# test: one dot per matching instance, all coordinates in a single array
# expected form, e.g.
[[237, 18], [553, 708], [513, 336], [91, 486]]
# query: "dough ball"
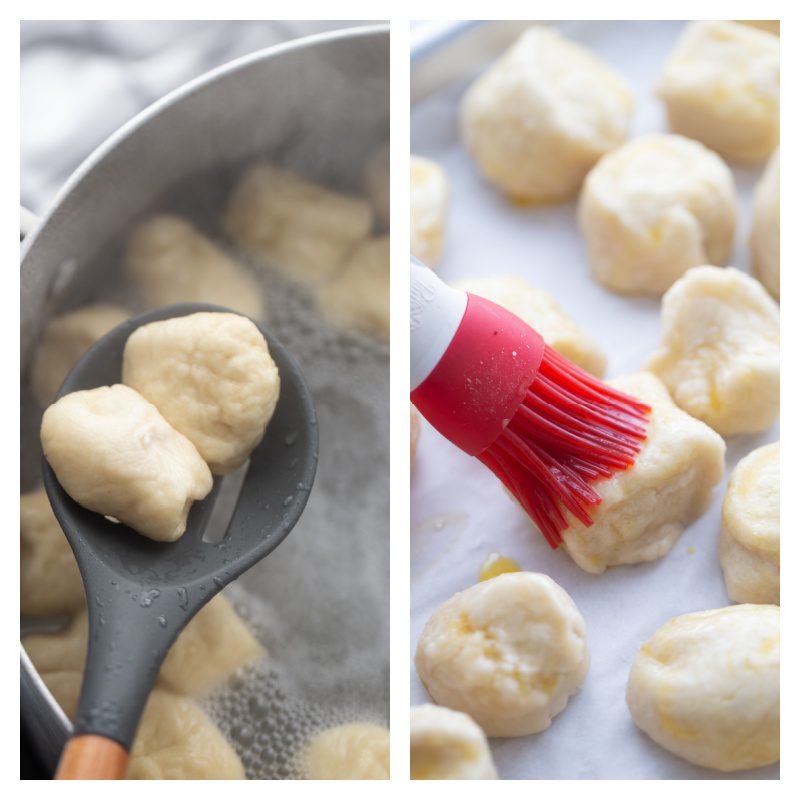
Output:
[[508, 651], [539, 118], [49, 579], [211, 375], [174, 263], [719, 353], [653, 209], [646, 508], [177, 741], [376, 183], [415, 430], [721, 86], [448, 745], [706, 687], [357, 296], [750, 541], [357, 751], [64, 341], [113, 453], [765, 235], [210, 648], [294, 225], [538, 309], [430, 196], [497, 564]]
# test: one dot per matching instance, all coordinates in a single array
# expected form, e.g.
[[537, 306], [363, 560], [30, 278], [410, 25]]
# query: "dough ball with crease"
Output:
[[509, 651], [719, 353], [212, 377], [721, 86], [49, 579], [706, 687], [356, 751], [375, 182], [765, 233], [65, 339], [647, 507], [357, 295], [174, 263], [299, 227], [750, 540], [653, 209], [448, 745], [429, 201], [539, 118], [114, 453], [539, 310]]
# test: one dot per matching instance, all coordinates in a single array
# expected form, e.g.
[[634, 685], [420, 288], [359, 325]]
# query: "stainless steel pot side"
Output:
[[319, 105]]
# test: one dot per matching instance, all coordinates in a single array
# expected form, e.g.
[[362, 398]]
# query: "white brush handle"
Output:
[[436, 313]]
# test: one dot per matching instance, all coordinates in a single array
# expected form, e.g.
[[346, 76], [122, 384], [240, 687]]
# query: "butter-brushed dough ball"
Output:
[[706, 687], [448, 745], [356, 751], [211, 376], [719, 353], [114, 453], [177, 741], [646, 508], [539, 118], [429, 200], [174, 263], [750, 540], [64, 341], [376, 185], [538, 309], [49, 579], [765, 234], [357, 296], [721, 86], [296, 226], [654, 208], [509, 652]]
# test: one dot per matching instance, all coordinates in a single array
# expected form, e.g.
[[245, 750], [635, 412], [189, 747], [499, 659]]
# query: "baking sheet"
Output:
[[459, 511]]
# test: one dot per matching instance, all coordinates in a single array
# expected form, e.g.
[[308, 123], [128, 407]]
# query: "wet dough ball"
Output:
[[376, 183], [653, 209], [294, 225], [415, 430], [49, 579], [177, 741], [537, 308], [541, 116], [430, 196], [706, 687], [115, 454], [210, 648], [212, 377], [721, 86], [64, 341], [357, 296], [174, 263], [750, 541], [719, 353], [357, 751], [447, 745], [646, 508], [509, 652], [765, 235]]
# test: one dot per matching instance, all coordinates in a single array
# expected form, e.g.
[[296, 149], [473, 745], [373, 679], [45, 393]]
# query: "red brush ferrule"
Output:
[[482, 378]]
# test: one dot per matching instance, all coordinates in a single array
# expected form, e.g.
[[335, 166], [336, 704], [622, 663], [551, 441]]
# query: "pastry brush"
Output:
[[490, 385]]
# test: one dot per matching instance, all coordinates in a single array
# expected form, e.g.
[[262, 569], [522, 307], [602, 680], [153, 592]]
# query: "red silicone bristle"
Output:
[[571, 430]]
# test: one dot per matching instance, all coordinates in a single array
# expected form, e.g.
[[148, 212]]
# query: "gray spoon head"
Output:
[[141, 593]]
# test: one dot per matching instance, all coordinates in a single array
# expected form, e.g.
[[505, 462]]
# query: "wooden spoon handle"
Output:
[[92, 758]]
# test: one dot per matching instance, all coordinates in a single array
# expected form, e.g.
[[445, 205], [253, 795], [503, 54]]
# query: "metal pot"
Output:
[[319, 105]]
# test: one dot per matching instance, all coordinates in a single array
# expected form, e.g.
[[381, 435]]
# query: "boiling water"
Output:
[[320, 602]]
